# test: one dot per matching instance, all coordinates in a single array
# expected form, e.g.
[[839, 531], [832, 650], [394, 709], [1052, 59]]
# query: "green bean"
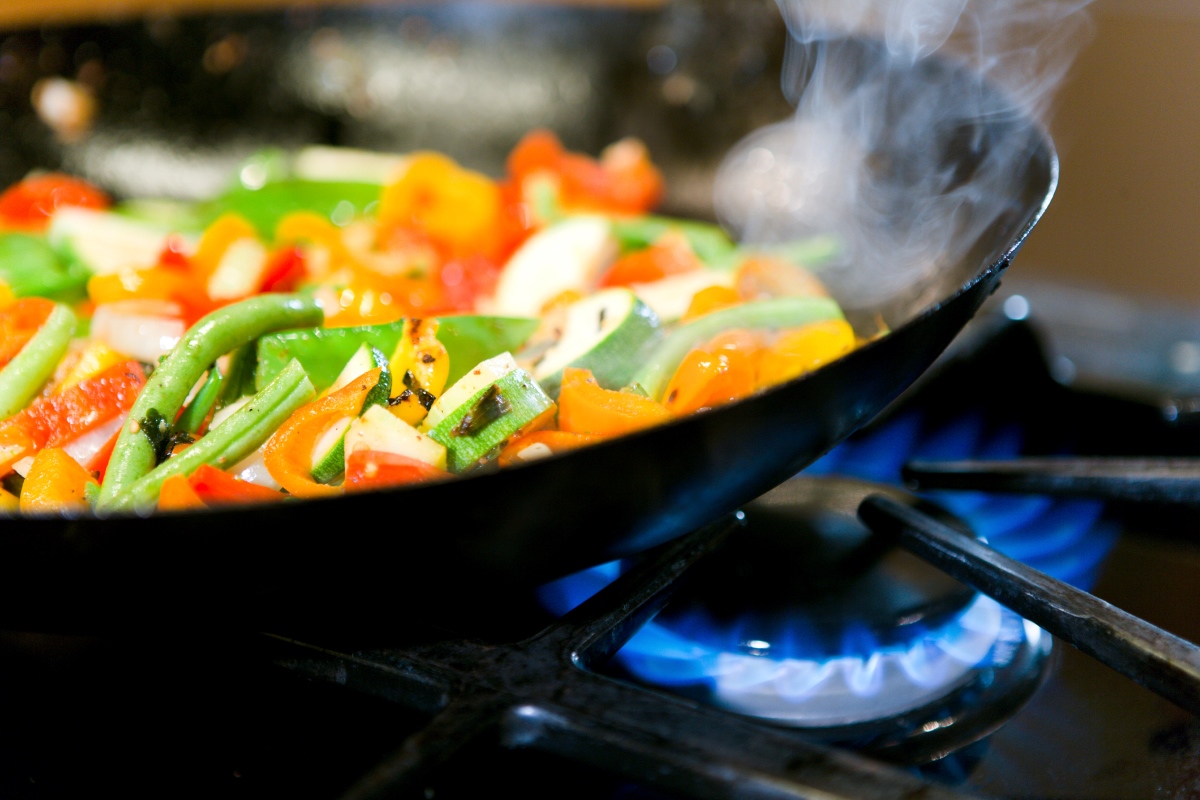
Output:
[[24, 375], [231, 441], [215, 335], [193, 416]]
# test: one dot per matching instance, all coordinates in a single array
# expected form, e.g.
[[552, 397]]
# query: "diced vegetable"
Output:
[[24, 375], [329, 452], [226, 445], [29, 265], [422, 365], [369, 469], [584, 407], [105, 242], [610, 333], [379, 431], [218, 333], [324, 351], [56, 484], [777, 314], [475, 381], [177, 494], [568, 256], [476, 429]]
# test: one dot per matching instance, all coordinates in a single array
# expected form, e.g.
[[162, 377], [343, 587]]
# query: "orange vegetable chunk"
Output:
[[804, 350], [55, 483], [584, 407], [178, 495]]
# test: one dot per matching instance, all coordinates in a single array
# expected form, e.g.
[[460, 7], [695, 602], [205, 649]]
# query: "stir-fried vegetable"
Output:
[[342, 321]]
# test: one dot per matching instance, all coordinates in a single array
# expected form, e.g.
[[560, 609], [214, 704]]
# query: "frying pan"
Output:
[[366, 561]]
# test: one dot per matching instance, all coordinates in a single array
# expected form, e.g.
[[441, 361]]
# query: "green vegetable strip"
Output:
[[781, 312], [24, 375], [233, 440], [193, 416], [213, 336], [239, 379]]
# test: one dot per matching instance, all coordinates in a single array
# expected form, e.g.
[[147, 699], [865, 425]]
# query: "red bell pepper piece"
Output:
[[28, 205], [372, 469], [215, 487], [19, 322]]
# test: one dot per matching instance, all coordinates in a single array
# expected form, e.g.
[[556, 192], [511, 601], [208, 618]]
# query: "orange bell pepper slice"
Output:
[[584, 407], [55, 483], [28, 205], [552, 441], [177, 494], [458, 209], [714, 298], [19, 322], [371, 469], [218, 238], [154, 283], [804, 350], [215, 487], [52, 420], [651, 264], [288, 453], [722, 371]]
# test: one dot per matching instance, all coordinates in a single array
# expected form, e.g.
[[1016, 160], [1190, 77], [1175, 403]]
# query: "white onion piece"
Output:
[[252, 469], [130, 328], [22, 467], [83, 448], [227, 412]]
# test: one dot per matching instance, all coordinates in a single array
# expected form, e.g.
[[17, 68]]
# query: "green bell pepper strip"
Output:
[[22, 377], [709, 242], [777, 313], [264, 207], [168, 386], [239, 378], [232, 440], [324, 351]]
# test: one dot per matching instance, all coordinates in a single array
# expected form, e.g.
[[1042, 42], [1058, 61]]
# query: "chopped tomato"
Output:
[[28, 205], [371, 469], [215, 487]]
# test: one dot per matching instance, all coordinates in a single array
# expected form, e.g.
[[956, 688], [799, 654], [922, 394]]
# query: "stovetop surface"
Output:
[[186, 713]]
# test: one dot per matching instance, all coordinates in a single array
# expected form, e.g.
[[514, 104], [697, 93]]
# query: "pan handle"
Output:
[[1162, 662], [1159, 480]]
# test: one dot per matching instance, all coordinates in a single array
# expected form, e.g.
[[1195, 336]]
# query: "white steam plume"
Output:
[[865, 156]]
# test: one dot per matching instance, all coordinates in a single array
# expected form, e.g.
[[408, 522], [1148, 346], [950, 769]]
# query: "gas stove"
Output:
[[782, 652]]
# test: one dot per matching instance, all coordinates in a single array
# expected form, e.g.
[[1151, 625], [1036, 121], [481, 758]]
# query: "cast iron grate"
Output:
[[543, 694]]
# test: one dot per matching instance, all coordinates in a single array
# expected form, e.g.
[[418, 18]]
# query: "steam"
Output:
[[865, 158]]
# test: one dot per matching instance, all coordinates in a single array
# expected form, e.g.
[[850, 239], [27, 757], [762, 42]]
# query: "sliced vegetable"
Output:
[[475, 381], [801, 351], [215, 487], [30, 203], [177, 494], [55, 484], [324, 351], [381, 432], [105, 242], [584, 407], [541, 444], [610, 333], [226, 445], [370, 469], [422, 364], [724, 370], [288, 454], [568, 256], [780, 313], [23, 376], [476, 429], [211, 337], [328, 456]]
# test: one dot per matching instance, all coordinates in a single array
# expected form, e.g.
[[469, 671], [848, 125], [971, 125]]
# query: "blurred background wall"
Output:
[[1127, 126]]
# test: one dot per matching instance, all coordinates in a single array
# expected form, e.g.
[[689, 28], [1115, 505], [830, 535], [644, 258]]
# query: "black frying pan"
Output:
[[363, 560]]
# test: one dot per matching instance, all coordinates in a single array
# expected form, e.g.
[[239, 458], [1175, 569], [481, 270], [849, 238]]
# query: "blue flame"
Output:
[[787, 679]]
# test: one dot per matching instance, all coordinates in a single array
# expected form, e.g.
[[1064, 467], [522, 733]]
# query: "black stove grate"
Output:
[[542, 694]]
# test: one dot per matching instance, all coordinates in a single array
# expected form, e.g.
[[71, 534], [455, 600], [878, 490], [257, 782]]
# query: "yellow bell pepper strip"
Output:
[[421, 366], [25, 374], [459, 210], [714, 298], [804, 350], [178, 495], [539, 444], [288, 454], [584, 407], [55, 484], [7, 297], [722, 371], [9, 503], [218, 237], [225, 329], [227, 444]]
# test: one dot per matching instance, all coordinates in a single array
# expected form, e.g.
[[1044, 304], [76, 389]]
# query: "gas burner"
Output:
[[806, 619]]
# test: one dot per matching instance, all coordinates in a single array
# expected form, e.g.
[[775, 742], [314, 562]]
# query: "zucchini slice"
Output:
[[485, 374], [328, 458], [380, 430], [476, 429], [609, 333], [567, 256]]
